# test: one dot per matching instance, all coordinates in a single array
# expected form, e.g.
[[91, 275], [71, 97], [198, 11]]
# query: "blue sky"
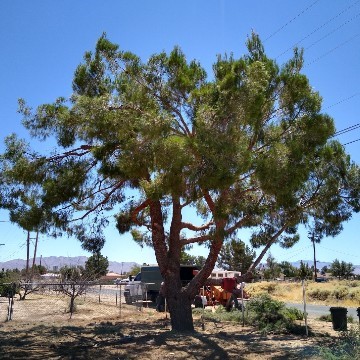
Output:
[[43, 41]]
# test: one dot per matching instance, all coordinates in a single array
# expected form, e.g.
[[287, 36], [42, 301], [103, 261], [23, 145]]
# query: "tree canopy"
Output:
[[341, 269], [96, 266], [247, 147], [236, 255]]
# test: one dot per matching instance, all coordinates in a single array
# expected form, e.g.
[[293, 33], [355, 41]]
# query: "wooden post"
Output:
[[242, 303], [120, 300], [305, 314]]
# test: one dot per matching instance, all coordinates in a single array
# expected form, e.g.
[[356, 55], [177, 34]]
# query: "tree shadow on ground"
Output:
[[141, 340]]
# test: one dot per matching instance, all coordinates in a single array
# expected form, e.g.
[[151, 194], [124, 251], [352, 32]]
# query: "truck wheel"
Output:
[[160, 303], [153, 297], [198, 301], [128, 298]]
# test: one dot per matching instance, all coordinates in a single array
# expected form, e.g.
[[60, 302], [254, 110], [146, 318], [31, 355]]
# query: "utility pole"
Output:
[[313, 239], [35, 249], [27, 255], [36, 243], [315, 270]]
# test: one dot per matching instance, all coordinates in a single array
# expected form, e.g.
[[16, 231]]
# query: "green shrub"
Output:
[[325, 318], [328, 318], [355, 295], [266, 314], [259, 289], [220, 314], [319, 294], [7, 289], [340, 293], [271, 287], [293, 313], [347, 347], [352, 283], [270, 315]]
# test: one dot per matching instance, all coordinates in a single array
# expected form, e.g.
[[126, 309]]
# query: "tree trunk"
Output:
[[72, 305], [179, 303]]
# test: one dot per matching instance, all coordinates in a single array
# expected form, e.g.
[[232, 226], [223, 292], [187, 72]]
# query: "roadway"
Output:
[[318, 310]]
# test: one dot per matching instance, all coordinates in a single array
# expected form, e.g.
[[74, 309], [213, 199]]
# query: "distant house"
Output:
[[50, 276], [111, 276], [219, 274]]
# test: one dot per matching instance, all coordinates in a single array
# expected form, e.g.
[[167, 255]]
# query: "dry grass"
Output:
[[45, 331], [292, 292], [42, 329]]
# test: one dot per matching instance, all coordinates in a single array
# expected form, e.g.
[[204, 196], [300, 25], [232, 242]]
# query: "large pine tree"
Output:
[[246, 147]]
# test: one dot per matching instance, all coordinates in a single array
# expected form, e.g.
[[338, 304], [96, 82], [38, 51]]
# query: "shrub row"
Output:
[[339, 293], [347, 346], [266, 314]]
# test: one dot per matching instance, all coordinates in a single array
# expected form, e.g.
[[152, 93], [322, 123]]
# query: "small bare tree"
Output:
[[74, 284]]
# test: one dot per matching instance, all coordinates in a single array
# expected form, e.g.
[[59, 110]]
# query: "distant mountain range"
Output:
[[56, 262]]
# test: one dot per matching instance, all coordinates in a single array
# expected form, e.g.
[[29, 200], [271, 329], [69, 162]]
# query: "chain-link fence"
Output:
[[51, 302]]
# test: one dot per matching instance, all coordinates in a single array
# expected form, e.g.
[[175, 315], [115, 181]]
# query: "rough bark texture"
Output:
[[179, 304]]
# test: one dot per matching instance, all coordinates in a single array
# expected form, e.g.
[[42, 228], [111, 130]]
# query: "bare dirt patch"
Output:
[[134, 334]]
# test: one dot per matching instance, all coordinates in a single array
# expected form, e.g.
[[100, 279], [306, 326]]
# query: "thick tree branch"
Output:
[[74, 152], [186, 225], [104, 201], [136, 211], [198, 239], [266, 248]]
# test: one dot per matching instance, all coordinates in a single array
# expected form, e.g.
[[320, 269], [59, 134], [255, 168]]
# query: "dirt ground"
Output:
[[145, 334]]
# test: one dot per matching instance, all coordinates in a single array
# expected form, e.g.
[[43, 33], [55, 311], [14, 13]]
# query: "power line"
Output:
[[340, 252], [296, 252], [346, 130], [341, 101], [320, 27], [350, 142], [332, 50], [10, 256], [331, 32], [290, 21]]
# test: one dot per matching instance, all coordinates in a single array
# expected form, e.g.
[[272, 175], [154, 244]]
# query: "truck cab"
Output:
[[146, 284]]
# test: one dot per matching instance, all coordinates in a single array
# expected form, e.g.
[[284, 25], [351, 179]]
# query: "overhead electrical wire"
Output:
[[290, 21], [350, 142], [333, 31], [294, 253], [340, 252], [343, 100], [320, 27], [330, 51], [344, 131], [10, 256]]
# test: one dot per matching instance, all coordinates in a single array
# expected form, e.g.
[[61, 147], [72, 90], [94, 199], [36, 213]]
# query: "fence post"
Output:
[[120, 299], [305, 314], [11, 302]]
